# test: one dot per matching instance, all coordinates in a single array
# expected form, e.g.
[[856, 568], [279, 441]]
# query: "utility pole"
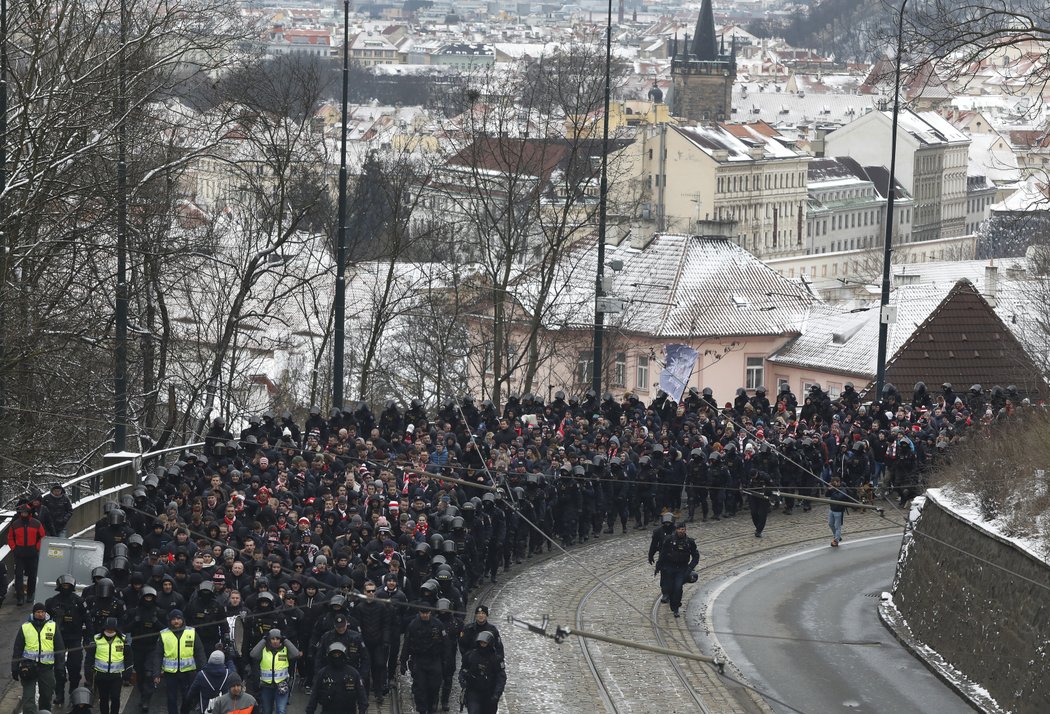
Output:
[[120, 349], [603, 205], [340, 253], [887, 252]]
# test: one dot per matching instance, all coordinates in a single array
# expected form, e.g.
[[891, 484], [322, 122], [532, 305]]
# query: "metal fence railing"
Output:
[[89, 492]]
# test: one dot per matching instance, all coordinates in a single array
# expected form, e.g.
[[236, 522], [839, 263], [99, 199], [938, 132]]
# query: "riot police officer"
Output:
[[424, 640], [678, 557], [68, 611], [338, 688], [482, 676]]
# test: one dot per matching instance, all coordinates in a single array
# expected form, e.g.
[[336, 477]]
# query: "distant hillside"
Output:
[[834, 27]]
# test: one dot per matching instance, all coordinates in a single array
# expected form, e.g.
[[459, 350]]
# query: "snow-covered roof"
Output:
[[841, 341], [1032, 195], [929, 127], [679, 286], [738, 140]]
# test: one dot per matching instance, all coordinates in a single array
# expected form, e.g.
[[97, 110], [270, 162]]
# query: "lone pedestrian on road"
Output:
[[837, 510], [678, 557]]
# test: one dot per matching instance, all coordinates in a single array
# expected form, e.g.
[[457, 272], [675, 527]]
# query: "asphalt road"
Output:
[[821, 600]]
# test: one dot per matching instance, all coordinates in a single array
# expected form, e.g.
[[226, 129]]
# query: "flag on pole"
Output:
[[679, 361]]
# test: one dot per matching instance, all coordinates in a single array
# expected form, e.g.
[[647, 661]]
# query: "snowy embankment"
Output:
[[967, 600]]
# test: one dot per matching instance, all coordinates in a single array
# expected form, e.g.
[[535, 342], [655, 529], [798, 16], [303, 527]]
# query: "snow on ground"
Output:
[[966, 507]]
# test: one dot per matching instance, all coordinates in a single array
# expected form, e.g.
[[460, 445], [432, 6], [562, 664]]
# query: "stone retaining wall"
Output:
[[991, 625]]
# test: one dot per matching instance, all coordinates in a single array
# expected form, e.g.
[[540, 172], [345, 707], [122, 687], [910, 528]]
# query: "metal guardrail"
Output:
[[90, 491]]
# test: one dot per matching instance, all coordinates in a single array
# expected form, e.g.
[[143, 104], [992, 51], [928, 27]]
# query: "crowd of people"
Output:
[[331, 555]]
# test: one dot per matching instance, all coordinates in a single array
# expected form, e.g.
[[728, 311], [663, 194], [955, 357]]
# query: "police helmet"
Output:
[[444, 605], [104, 588], [116, 517], [66, 579], [80, 697]]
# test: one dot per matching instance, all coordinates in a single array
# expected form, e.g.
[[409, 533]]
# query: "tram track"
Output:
[[690, 680]]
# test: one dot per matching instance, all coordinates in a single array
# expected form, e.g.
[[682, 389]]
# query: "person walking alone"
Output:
[[837, 510]]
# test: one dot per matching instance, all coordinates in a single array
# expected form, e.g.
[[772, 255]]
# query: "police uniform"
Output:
[[38, 646], [423, 644], [678, 556], [482, 678], [112, 660], [338, 689], [177, 658], [68, 611]]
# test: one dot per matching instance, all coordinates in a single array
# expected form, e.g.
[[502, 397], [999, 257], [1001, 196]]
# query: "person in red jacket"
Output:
[[24, 538]]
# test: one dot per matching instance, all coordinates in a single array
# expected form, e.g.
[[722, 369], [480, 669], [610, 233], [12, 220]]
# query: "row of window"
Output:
[[754, 371], [747, 182]]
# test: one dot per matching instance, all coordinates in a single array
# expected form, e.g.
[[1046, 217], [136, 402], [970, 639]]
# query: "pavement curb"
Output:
[[974, 695]]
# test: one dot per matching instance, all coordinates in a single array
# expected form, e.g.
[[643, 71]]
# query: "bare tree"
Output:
[[518, 180], [56, 262]]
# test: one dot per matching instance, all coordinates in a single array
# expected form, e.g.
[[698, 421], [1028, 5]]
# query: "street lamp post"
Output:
[[120, 349], [340, 253], [887, 253], [603, 191]]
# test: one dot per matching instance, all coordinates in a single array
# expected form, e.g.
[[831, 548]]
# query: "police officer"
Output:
[[468, 637], [111, 655], [273, 657], [338, 688], [454, 626], [146, 623], [357, 655], [69, 613], [177, 657], [423, 642], [678, 556], [38, 644], [482, 676], [206, 615], [104, 605], [660, 534]]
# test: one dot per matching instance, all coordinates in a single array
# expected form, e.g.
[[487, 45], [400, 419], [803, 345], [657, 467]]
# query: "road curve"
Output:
[[819, 599]]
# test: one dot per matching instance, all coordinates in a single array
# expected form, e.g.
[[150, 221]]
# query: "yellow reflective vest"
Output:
[[109, 654], [273, 666], [39, 647], [178, 650]]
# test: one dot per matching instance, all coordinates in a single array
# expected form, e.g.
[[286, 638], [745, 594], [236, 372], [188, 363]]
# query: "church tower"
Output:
[[702, 76]]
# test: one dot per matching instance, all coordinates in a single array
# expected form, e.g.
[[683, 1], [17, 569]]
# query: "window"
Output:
[[642, 373], [754, 372], [620, 370], [585, 368]]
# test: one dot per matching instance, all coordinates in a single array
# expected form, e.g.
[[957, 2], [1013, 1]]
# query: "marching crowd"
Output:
[[332, 555]]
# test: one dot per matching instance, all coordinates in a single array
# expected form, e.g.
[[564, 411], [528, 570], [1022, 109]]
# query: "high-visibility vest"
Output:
[[109, 654], [39, 647], [178, 650], [273, 667]]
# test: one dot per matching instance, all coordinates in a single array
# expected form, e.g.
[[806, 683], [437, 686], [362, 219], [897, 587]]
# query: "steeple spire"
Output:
[[705, 47]]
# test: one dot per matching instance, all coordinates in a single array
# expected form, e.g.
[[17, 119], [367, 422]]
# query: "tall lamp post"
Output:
[[120, 349], [887, 253], [603, 204], [340, 253]]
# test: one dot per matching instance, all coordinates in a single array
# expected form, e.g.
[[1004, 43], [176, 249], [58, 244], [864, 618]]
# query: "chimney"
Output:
[[991, 284]]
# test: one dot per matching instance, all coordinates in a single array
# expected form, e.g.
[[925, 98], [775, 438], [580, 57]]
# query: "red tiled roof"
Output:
[[964, 342]]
